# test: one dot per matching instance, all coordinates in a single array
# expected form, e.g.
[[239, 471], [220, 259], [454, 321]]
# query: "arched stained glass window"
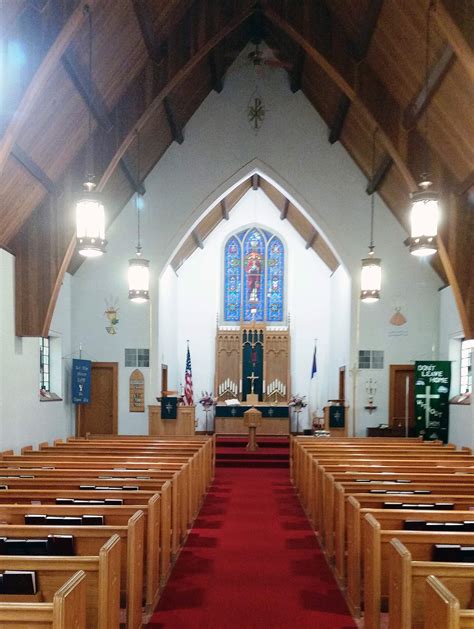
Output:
[[254, 277], [275, 279], [232, 279]]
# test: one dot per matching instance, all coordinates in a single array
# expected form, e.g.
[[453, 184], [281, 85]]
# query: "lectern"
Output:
[[252, 420]]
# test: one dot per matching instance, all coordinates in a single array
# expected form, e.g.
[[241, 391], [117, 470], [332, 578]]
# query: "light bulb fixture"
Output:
[[371, 271], [425, 202], [90, 214], [138, 268]]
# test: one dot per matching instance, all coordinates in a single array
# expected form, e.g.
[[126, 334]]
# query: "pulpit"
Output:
[[252, 420], [335, 420], [183, 425]]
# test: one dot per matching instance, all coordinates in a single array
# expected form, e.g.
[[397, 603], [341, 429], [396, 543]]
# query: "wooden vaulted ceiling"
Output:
[[360, 63], [288, 211]]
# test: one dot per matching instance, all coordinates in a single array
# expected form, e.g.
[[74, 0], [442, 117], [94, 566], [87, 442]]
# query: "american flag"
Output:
[[188, 382]]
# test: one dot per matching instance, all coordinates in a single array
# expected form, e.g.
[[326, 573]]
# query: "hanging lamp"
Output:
[[138, 268], [371, 271], [425, 202], [90, 214]]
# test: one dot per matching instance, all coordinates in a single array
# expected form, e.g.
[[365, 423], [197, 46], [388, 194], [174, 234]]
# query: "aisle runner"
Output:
[[251, 561]]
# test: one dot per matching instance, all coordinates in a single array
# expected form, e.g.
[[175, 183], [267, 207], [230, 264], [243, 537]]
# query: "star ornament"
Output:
[[256, 112]]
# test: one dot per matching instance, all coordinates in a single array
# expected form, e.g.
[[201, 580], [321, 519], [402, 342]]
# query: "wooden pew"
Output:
[[67, 610], [378, 561], [358, 505], [408, 577], [102, 580], [156, 509], [444, 609], [88, 540]]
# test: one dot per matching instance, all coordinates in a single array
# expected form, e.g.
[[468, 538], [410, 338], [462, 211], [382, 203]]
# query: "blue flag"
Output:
[[314, 368]]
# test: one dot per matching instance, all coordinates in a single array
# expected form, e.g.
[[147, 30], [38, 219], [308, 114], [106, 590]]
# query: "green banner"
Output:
[[432, 383]]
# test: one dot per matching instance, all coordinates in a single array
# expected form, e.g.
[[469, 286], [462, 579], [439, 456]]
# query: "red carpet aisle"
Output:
[[251, 561]]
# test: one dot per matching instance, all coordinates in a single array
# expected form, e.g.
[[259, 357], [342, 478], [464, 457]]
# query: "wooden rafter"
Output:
[[379, 175], [296, 74], [145, 21], [32, 167], [339, 119], [175, 126], [311, 240], [255, 182], [127, 170], [456, 39], [93, 100], [435, 77], [35, 88], [224, 210], [284, 210], [216, 72], [197, 238]]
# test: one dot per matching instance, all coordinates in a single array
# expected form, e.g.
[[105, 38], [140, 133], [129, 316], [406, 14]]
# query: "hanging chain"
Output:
[[137, 201], [90, 148], [372, 196], [426, 165]]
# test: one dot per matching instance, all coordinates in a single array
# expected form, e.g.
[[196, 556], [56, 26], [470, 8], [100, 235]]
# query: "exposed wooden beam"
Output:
[[224, 210], [32, 167], [435, 77], [216, 72], [173, 82], [38, 83], [311, 240], [379, 175], [368, 26], [284, 211], [339, 119], [197, 239], [93, 100], [296, 74], [131, 178], [448, 27], [466, 184], [255, 181], [175, 127], [145, 21]]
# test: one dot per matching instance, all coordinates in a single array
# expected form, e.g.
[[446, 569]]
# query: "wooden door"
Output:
[[399, 404], [101, 415]]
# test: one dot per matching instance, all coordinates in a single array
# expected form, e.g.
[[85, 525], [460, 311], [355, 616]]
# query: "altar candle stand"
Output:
[[252, 420]]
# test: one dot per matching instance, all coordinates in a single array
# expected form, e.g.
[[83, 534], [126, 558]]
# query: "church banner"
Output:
[[81, 381], [432, 384]]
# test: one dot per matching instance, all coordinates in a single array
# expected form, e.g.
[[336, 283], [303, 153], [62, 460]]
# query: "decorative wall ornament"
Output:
[[111, 313], [256, 110], [398, 318]]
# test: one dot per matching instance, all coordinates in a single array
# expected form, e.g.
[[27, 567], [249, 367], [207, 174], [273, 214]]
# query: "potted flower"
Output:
[[208, 401], [298, 402]]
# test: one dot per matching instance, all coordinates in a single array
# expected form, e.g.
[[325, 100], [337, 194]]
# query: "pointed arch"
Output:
[[254, 275], [275, 279], [232, 279]]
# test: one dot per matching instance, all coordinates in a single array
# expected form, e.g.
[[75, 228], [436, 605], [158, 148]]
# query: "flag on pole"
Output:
[[188, 381], [313, 388]]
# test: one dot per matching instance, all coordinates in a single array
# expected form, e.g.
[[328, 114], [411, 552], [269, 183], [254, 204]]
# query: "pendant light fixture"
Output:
[[90, 214], [138, 268], [425, 202], [371, 272]]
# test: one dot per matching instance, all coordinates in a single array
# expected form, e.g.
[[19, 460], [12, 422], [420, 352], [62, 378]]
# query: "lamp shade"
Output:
[[424, 221], [90, 225], [138, 280], [371, 280]]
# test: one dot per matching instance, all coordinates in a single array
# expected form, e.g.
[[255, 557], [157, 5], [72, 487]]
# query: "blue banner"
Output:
[[81, 381]]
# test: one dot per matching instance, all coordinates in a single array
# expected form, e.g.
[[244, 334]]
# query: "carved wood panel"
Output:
[[277, 365], [228, 364]]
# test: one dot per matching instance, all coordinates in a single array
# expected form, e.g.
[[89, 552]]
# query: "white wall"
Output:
[[292, 150], [461, 417], [24, 419], [199, 292], [340, 331]]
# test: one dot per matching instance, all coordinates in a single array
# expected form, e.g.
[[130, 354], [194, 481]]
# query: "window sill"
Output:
[[461, 400], [50, 397]]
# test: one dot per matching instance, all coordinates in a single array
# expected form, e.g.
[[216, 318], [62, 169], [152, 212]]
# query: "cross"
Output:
[[169, 407], [270, 412], [233, 412], [428, 397], [252, 379]]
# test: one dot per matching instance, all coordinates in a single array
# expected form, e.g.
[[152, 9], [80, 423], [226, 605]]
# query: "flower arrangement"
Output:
[[298, 402], [207, 400]]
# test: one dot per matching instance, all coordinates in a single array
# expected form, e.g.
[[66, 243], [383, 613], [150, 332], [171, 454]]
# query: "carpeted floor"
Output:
[[251, 561]]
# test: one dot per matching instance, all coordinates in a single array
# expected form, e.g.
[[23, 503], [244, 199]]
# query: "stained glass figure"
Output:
[[254, 276], [275, 279], [232, 279]]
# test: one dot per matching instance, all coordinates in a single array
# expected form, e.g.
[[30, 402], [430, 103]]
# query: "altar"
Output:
[[230, 419]]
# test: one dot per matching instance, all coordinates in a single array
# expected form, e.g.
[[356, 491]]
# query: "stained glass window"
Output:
[[232, 279], [254, 277], [275, 279]]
